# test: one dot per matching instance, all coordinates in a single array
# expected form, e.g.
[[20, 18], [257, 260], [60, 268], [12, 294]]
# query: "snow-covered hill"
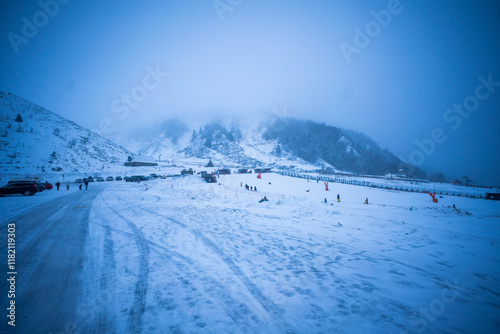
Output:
[[34, 140], [275, 142]]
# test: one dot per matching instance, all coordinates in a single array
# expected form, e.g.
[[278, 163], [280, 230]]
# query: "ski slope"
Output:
[[208, 257], [183, 256]]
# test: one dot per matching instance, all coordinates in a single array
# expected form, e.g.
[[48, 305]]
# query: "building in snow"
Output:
[[139, 160]]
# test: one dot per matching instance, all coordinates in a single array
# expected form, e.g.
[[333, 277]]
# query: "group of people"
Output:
[[86, 182], [58, 184], [338, 200], [251, 188]]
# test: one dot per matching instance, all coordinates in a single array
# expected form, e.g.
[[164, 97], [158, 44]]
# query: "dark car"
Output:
[[41, 186], [90, 179], [187, 172], [99, 179], [25, 188], [209, 178], [137, 178], [126, 178], [118, 178]]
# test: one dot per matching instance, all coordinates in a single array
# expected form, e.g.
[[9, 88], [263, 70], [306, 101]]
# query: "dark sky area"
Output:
[[422, 78]]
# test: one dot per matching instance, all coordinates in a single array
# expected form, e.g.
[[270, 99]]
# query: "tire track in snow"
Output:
[[239, 313], [106, 320], [270, 307], [141, 288]]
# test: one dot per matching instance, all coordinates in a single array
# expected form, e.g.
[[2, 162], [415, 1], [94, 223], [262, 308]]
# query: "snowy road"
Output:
[[50, 240]]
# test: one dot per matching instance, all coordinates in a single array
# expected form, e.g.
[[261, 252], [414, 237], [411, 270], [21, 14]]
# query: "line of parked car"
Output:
[[134, 178], [30, 186], [26, 187]]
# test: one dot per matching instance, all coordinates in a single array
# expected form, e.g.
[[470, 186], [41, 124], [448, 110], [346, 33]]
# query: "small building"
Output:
[[138, 161]]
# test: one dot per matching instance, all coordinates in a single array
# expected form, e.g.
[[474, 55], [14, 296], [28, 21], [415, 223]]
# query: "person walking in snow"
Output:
[[58, 184], [366, 200], [325, 201], [67, 185], [86, 185], [338, 198], [254, 188], [80, 186]]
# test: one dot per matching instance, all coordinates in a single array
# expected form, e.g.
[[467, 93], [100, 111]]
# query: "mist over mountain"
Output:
[[280, 142], [43, 141]]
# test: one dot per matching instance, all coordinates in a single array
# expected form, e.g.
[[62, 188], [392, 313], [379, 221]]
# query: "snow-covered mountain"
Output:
[[35, 140], [275, 142]]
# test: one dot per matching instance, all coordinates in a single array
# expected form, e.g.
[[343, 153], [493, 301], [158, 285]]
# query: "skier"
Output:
[[67, 185], [325, 201], [338, 198], [86, 185], [251, 188], [58, 184], [80, 186]]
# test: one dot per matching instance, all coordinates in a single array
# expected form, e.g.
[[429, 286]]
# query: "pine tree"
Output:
[[19, 118]]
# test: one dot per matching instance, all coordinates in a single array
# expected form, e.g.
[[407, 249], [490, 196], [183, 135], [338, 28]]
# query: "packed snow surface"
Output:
[[183, 256]]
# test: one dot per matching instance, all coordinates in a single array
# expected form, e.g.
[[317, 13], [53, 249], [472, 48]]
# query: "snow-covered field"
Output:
[[183, 256], [186, 256]]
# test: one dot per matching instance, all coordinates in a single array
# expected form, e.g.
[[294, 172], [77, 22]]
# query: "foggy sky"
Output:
[[400, 72]]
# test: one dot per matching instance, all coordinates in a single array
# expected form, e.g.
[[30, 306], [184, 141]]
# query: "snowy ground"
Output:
[[184, 256]]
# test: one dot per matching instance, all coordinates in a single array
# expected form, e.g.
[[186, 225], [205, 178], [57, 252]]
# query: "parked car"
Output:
[[136, 178], [209, 178], [110, 178], [126, 178], [26, 188], [41, 186], [118, 178], [48, 186], [78, 181], [153, 176], [187, 172], [99, 179], [90, 179]]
